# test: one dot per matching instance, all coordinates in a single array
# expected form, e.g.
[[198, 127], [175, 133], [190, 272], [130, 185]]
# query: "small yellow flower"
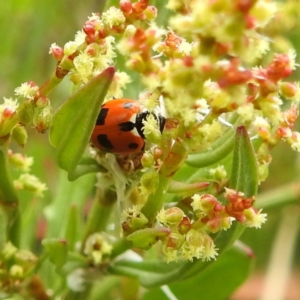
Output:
[[16, 271], [83, 64], [184, 47], [113, 17], [71, 47], [80, 37], [119, 83], [263, 11], [53, 47], [246, 112], [261, 122], [8, 251], [10, 104], [219, 172], [170, 254], [196, 204], [149, 183], [151, 129], [31, 183], [209, 249], [27, 90], [193, 245], [20, 161], [216, 97], [96, 247], [294, 141], [170, 217], [253, 218], [292, 58]]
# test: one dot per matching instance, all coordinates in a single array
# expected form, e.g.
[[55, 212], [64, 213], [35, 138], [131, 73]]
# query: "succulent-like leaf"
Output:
[[74, 121], [244, 175], [57, 250], [219, 149]]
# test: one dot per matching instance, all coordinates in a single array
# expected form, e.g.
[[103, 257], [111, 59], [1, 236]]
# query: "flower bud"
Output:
[[174, 240], [16, 271], [145, 238], [25, 112], [134, 220], [42, 119], [20, 161], [96, 247], [126, 6], [175, 159], [30, 183], [184, 225], [8, 251], [147, 160], [42, 102], [56, 51], [151, 12], [149, 183], [288, 89], [19, 134], [173, 216]]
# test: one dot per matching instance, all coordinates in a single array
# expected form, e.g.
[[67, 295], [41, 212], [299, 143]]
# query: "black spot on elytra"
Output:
[[104, 142], [126, 126], [127, 105], [102, 116], [133, 145]]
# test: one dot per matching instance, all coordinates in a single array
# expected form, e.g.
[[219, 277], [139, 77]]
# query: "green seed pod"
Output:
[[25, 112], [19, 134]]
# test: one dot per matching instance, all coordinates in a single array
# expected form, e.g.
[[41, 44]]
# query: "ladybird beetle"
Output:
[[119, 127]]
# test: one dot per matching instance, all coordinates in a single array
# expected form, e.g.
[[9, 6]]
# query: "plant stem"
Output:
[[156, 200], [120, 246], [280, 264], [99, 213], [9, 201], [282, 195]]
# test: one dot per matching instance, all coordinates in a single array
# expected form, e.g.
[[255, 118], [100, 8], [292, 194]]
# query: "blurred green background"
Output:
[[27, 29]]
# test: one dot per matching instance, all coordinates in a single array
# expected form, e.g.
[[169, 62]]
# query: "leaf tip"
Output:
[[241, 130], [109, 72]]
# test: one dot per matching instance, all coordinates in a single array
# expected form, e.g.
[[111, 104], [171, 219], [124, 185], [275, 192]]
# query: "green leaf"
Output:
[[244, 175], [145, 238], [219, 149], [71, 227], [217, 282], [150, 273], [74, 121], [9, 202], [67, 194], [85, 166], [57, 250]]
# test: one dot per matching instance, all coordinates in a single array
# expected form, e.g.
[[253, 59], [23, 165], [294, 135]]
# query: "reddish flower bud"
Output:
[[89, 28], [188, 61], [57, 52], [139, 6], [250, 21], [126, 6], [279, 68], [244, 5], [288, 89], [185, 225], [233, 74]]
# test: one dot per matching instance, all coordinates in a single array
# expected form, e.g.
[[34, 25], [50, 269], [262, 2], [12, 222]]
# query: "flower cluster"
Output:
[[190, 237], [26, 180], [15, 265], [96, 248], [212, 69], [209, 65]]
